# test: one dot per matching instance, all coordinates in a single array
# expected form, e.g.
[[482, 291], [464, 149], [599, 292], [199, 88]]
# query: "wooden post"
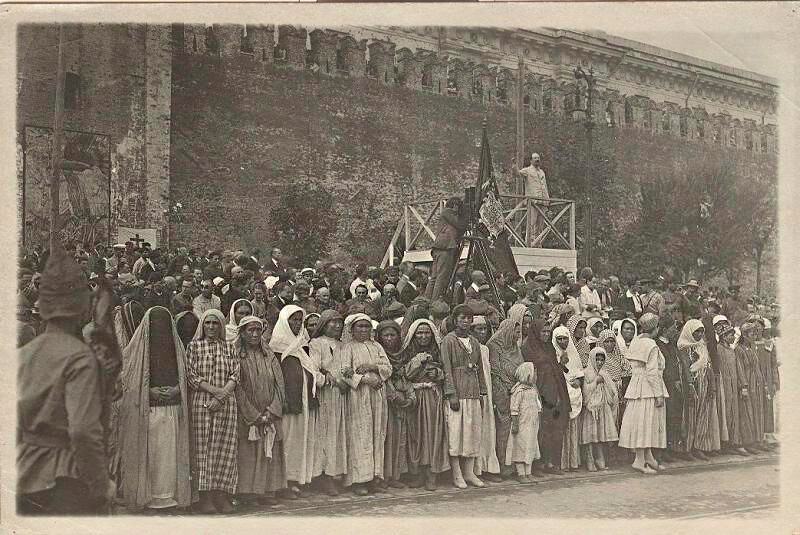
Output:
[[520, 152], [57, 155]]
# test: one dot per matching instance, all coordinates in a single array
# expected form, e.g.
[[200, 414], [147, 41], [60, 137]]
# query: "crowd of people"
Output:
[[247, 380]]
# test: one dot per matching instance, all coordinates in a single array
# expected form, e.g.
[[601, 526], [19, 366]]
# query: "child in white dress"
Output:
[[523, 442]]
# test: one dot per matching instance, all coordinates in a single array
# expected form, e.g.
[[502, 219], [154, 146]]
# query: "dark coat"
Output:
[[450, 232]]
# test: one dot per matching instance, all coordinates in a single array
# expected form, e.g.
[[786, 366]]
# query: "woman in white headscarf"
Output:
[[644, 424], [301, 377], [213, 374], [259, 396], [567, 354], [704, 432], [365, 368], [240, 309]]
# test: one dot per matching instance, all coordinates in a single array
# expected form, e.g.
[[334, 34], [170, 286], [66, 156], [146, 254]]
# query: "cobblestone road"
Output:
[[726, 487]]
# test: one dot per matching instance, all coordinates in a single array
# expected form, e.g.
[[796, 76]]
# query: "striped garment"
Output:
[[214, 433]]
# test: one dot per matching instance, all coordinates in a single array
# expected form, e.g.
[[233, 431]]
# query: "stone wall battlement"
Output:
[[436, 61]]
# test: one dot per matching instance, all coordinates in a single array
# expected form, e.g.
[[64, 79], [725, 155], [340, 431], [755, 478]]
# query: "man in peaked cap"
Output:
[[61, 460]]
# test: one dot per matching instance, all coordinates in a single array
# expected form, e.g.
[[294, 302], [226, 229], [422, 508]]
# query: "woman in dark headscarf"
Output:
[[552, 388], [154, 417], [402, 401], [186, 323]]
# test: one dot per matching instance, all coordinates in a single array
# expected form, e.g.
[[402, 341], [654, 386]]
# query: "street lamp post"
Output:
[[580, 74]]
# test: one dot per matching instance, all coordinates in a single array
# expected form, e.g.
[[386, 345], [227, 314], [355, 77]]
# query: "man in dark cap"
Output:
[[445, 250], [61, 460], [653, 301]]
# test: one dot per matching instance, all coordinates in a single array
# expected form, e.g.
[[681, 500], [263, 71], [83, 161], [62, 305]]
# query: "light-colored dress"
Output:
[[644, 425], [601, 402], [523, 447], [464, 381], [487, 459], [368, 412], [331, 454]]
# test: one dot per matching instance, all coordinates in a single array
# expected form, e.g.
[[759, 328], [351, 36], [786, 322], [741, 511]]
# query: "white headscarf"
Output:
[[687, 342], [349, 321], [232, 328], [575, 394], [574, 363], [617, 328], [199, 334], [285, 343]]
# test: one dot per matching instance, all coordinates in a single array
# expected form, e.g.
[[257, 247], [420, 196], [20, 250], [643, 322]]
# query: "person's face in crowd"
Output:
[[627, 330], [518, 333], [308, 277], [295, 275], [258, 294], [286, 293], [361, 293], [546, 332], [252, 334], [698, 334], [609, 344], [751, 308], [242, 310], [590, 283], [485, 294], [562, 341], [198, 275], [580, 330], [362, 330], [206, 288], [211, 327], [186, 288], [596, 328], [599, 359], [393, 277], [119, 252], [186, 271], [613, 282], [536, 162], [389, 339], [729, 338], [334, 329], [721, 326], [527, 320], [276, 253], [463, 323], [570, 278], [214, 258], [311, 323], [480, 331], [691, 292], [296, 322], [324, 295]]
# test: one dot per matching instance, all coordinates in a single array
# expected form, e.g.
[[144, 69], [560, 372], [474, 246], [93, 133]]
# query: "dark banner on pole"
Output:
[[488, 205]]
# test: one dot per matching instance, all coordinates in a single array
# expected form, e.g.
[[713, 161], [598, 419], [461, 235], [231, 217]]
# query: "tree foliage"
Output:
[[304, 220]]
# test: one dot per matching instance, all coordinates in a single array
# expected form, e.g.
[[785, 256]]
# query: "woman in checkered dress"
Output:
[[213, 375]]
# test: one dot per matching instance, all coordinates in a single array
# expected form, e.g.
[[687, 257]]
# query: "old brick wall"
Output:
[[244, 130], [124, 94]]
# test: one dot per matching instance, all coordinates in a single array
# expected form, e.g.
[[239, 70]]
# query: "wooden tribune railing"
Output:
[[530, 221]]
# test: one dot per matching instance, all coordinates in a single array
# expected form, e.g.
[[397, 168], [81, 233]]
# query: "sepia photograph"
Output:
[[284, 268]]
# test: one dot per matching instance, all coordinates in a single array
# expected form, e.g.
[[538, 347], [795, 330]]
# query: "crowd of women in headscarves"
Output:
[[282, 396]]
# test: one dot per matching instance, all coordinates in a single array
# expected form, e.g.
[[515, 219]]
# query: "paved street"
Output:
[[728, 487]]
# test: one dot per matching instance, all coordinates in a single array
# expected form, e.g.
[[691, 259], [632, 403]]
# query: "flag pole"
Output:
[[57, 155]]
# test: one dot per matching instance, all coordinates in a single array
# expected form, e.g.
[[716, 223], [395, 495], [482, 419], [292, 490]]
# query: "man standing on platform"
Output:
[[535, 184], [445, 250]]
